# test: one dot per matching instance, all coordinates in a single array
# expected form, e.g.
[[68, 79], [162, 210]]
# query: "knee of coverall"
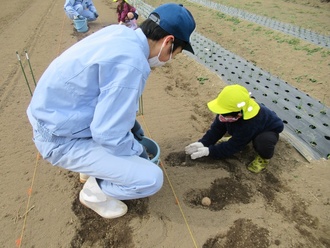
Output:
[[158, 180], [79, 8], [89, 15]]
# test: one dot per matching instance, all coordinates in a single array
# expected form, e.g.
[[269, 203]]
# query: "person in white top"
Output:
[[80, 9], [83, 110]]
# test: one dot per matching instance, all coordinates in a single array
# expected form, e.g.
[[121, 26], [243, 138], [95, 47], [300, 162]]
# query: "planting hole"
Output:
[[313, 143]]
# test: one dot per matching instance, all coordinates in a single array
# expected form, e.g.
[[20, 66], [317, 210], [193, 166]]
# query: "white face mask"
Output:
[[155, 62]]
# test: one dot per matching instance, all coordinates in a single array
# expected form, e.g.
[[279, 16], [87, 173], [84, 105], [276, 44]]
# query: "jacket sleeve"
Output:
[[91, 6], [215, 132], [241, 133], [132, 9], [228, 148], [115, 112]]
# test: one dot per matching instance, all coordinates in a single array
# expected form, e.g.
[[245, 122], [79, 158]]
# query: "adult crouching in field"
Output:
[[80, 9], [83, 110]]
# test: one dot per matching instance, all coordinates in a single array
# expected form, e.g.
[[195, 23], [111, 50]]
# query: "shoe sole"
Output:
[[256, 172]]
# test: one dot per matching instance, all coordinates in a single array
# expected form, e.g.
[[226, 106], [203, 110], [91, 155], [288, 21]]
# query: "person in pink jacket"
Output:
[[123, 8]]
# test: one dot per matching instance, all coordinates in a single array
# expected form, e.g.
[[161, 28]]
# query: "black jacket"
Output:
[[242, 132]]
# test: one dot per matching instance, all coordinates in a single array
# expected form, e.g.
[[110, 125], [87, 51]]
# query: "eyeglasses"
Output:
[[228, 119]]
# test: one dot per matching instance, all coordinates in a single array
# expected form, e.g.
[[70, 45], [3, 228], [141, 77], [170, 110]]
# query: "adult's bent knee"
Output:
[[156, 180]]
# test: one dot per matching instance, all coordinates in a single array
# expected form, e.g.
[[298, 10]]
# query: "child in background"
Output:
[[123, 8]]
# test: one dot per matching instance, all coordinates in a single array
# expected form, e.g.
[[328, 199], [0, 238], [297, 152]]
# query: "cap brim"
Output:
[[214, 107], [189, 48]]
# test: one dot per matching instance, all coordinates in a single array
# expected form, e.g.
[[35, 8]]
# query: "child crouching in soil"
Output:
[[244, 120]]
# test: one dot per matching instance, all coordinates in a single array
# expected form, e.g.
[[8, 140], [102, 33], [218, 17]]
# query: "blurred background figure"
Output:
[[80, 9], [130, 21], [123, 8]]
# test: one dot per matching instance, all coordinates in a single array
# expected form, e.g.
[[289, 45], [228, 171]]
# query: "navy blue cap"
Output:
[[176, 20]]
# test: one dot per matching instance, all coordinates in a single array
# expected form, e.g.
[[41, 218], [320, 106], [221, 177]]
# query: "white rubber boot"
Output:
[[83, 177], [106, 206]]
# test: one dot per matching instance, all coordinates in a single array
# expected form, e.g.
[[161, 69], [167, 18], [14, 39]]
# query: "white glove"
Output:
[[201, 152], [190, 149]]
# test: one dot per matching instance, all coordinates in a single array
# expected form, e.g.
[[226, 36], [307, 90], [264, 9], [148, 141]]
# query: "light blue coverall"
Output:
[[84, 8], [85, 105]]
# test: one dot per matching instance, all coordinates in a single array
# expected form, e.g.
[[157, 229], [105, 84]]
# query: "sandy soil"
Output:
[[286, 206]]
